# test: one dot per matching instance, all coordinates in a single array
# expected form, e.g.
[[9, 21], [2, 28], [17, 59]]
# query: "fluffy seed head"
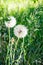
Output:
[[11, 23], [20, 31]]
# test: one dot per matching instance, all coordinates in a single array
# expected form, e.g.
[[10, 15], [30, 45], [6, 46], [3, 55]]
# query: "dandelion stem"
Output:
[[11, 53], [23, 44], [22, 49], [16, 44], [9, 35], [15, 48], [9, 43], [8, 55]]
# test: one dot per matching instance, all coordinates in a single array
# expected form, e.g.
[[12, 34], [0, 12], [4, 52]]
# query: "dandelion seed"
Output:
[[11, 23], [20, 31]]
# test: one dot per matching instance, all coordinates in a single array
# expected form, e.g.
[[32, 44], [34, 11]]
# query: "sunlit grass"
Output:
[[14, 5]]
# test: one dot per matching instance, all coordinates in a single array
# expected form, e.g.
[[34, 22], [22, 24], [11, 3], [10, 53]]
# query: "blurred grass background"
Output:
[[30, 14]]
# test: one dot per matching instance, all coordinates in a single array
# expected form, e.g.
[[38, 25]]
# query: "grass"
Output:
[[32, 18]]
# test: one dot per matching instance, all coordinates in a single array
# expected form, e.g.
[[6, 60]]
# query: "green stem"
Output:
[[16, 44], [9, 41], [9, 35], [11, 53], [7, 56], [9, 44], [23, 42], [15, 49], [22, 49]]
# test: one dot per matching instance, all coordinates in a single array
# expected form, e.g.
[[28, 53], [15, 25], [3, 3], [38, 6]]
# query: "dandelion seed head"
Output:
[[20, 31], [11, 23]]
